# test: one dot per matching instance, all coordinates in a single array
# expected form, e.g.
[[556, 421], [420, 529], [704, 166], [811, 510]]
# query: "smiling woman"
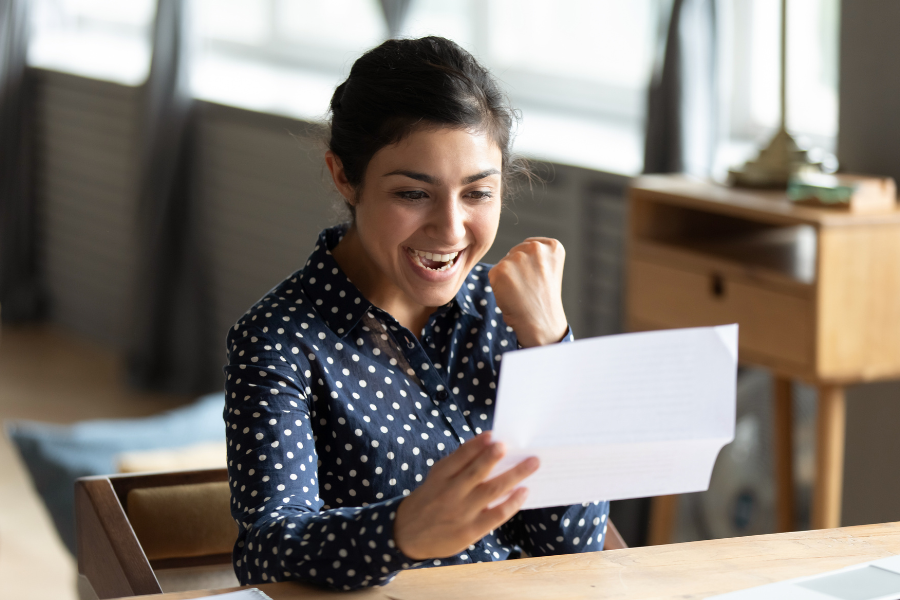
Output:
[[361, 389]]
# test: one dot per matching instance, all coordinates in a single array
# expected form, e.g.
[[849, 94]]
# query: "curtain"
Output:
[[680, 138], [682, 105], [395, 12], [172, 327], [21, 294]]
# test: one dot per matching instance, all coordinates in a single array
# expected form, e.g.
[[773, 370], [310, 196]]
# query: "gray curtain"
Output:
[[682, 105], [680, 138], [170, 346], [395, 13], [21, 294]]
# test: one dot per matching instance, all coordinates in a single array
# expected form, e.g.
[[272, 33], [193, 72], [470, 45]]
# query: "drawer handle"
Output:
[[717, 285]]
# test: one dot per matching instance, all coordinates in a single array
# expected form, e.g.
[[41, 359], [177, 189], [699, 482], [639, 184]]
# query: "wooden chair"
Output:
[[163, 532], [155, 532], [614, 541]]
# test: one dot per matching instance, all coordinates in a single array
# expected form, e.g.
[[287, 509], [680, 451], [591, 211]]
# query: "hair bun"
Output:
[[338, 96]]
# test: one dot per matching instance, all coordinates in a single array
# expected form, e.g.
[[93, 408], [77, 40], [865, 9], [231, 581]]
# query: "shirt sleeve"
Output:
[[569, 337], [560, 530], [272, 469]]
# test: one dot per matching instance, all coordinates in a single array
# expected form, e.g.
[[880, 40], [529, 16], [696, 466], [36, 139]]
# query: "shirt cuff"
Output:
[[569, 337], [383, 517]]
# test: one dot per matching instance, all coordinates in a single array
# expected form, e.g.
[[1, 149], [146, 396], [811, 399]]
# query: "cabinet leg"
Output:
[[663, 511], [783, 434], [826, 509]]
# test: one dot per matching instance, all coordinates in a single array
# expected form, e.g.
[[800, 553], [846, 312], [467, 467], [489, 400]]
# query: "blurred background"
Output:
[[161, 165]]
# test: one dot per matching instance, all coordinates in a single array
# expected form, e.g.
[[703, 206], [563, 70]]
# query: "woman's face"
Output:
[[428, 211]]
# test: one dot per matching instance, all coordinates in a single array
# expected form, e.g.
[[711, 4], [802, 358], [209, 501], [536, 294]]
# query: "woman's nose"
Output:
[[447, 222]]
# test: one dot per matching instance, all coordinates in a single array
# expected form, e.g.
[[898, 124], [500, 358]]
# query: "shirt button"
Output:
[[443, 395]]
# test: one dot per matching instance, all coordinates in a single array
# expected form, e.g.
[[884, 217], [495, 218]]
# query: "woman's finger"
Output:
[[451, 465], [492, 518], [480, 467], [499, 486]]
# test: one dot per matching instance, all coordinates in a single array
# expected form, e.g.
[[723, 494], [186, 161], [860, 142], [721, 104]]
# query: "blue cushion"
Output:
[[57, 455]]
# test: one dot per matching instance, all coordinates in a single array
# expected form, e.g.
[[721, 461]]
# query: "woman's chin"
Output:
[[434, 294]]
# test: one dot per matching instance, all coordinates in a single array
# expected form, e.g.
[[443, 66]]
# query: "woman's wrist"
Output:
[[401, 539]]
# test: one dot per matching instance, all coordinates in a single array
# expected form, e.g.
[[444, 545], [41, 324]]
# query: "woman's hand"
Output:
[[449, 511], [528, 287]]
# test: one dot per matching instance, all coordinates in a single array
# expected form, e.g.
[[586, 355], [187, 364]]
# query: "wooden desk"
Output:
[[816, 293], [684, 571]]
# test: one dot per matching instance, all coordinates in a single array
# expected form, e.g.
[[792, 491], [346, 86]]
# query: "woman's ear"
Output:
[[340, 177]]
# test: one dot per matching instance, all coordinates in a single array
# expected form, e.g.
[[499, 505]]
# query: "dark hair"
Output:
[[403, 85]]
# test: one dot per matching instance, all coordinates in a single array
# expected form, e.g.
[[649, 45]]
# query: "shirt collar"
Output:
[[464, 300], [334, 297]]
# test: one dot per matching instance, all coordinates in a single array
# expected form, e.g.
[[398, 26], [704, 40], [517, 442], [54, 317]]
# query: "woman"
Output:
[[360, 390]]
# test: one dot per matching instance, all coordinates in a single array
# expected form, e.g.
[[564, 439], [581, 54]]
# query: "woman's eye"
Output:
[[413, 195], [480, 194]]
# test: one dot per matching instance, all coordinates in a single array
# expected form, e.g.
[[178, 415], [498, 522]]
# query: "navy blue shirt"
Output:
[[335, 412]]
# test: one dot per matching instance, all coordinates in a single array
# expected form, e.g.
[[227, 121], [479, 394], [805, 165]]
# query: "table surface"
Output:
[[684, 571]]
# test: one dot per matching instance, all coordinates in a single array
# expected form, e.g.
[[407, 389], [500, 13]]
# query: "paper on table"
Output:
[[245, 594], [623, 416]]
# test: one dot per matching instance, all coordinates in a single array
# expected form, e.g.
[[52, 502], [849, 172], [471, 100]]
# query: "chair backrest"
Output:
[[155, 532], [164, 532]]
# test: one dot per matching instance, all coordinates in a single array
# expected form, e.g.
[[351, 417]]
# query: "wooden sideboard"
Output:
[[816, 293]]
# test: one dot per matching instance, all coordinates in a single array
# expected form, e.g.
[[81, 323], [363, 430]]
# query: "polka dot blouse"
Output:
[[335, 412]]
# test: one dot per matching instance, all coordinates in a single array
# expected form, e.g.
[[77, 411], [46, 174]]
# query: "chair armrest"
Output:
[[109, 554]]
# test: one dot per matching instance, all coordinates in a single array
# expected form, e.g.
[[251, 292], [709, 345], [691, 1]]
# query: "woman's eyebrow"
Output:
[[414, 175], [435, 181], [482, 175]]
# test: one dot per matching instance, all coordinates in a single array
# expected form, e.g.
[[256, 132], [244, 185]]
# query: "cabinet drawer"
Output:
[[775, 328]]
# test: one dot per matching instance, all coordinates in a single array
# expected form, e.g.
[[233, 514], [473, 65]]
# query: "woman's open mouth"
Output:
[[433, 261]]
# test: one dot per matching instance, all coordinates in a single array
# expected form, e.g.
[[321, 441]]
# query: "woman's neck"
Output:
[[356, 263]]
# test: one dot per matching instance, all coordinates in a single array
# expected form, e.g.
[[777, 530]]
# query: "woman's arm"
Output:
[[272, 467], [559, 530]]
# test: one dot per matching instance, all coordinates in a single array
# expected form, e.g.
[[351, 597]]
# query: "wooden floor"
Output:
[[49, 375]]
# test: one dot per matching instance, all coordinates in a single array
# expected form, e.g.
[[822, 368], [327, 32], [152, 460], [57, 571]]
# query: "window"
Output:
[[315, 34], [589, 56], [519, 40], [104, 39], [579, 69], [812, 69], [284, 56]]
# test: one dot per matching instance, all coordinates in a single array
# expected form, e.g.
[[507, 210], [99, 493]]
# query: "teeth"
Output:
[[434, 256], [444, 258]]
